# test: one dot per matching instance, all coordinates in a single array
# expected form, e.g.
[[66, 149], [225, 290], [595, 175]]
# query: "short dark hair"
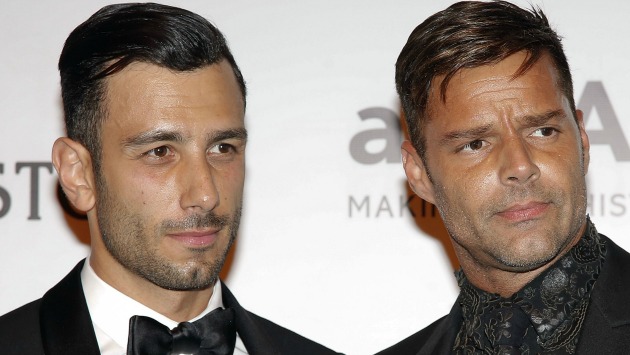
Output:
[[121, 34], [470, 34]]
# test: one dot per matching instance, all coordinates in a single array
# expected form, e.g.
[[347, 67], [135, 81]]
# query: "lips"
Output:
[[524, 212], [196, 239]]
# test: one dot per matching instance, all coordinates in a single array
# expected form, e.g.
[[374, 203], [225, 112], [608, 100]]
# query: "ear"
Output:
[[74, 167], [586, 145], [417, 173]]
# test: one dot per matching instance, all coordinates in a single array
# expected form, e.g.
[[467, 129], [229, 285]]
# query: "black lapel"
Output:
[[607, 322], [612, 287], [252, 333], [65, 321], [447, 330], [437, 338]]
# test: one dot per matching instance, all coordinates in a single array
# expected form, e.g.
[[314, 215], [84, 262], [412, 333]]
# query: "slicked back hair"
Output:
[[471, 34], [121, 34]]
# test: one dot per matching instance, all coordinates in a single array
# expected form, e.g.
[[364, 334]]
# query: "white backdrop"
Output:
[[328, 246]]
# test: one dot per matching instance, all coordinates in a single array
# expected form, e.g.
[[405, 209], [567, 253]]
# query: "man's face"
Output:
[[506, 161], [171, 179]]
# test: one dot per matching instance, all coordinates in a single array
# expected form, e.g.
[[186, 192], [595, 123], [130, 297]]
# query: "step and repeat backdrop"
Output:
[[332, 244]]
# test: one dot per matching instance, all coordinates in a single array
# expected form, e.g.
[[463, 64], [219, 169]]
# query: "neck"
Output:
[[502, 280]]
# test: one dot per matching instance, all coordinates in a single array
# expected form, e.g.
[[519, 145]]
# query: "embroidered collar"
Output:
[[548, 312]]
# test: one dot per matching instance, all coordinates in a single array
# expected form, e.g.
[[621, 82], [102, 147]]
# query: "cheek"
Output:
[[469, 190], [563, 164], [232, 185], [151, 190], [231, 178], [484, 183], [472, 180]]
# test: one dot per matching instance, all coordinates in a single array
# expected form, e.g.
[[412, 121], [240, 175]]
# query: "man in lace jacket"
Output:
[[499, 147]]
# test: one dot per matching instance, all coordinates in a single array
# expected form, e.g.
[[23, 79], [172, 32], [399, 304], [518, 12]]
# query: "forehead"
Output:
[[143, 95], [485, 86]]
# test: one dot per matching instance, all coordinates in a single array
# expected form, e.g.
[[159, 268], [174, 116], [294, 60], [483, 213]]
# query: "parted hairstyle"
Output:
[[121, 34], [471, 34]]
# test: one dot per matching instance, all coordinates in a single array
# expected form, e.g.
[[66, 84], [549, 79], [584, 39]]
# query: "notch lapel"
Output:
[[65, 322], [252, 333]]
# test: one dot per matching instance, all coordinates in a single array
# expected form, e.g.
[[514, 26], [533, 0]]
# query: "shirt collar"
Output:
[[555, 301], [114, 320]]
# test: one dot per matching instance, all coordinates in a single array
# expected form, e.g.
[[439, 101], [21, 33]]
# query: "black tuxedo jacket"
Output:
[[606, 328], [59, 324]]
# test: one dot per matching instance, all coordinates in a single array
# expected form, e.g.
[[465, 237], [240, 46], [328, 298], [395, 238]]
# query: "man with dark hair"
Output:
[[499, 147], [155, 155]]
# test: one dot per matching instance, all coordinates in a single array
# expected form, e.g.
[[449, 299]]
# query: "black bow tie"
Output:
[[214, 334]]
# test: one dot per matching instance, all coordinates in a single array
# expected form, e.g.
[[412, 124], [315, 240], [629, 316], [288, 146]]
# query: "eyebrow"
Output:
[[236, 133], [541, 119], [465, 134], [527, 121], [150, 137]]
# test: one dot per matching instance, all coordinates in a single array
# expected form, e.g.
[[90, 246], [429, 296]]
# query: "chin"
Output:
[[527, 263]]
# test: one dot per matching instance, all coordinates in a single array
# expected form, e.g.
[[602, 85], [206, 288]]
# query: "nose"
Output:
[[517, 166], [199, 190]]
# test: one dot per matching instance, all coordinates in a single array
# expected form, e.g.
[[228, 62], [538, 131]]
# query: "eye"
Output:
[[159, 152], [474, 145], [544, 132], [221, 148]]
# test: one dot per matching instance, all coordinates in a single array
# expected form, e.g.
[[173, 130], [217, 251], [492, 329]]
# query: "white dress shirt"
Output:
[[111, 310]]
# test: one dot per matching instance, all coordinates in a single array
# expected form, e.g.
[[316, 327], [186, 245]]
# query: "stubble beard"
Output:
[[135, 247], [476, 240]]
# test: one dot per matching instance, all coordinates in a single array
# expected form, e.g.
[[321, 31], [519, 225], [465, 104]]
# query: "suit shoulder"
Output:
[[26, 316], [290, 342], [19, 330], [417, 343]]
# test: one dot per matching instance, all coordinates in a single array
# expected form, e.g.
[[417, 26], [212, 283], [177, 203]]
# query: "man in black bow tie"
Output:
[[498, 146], [155, 155]]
